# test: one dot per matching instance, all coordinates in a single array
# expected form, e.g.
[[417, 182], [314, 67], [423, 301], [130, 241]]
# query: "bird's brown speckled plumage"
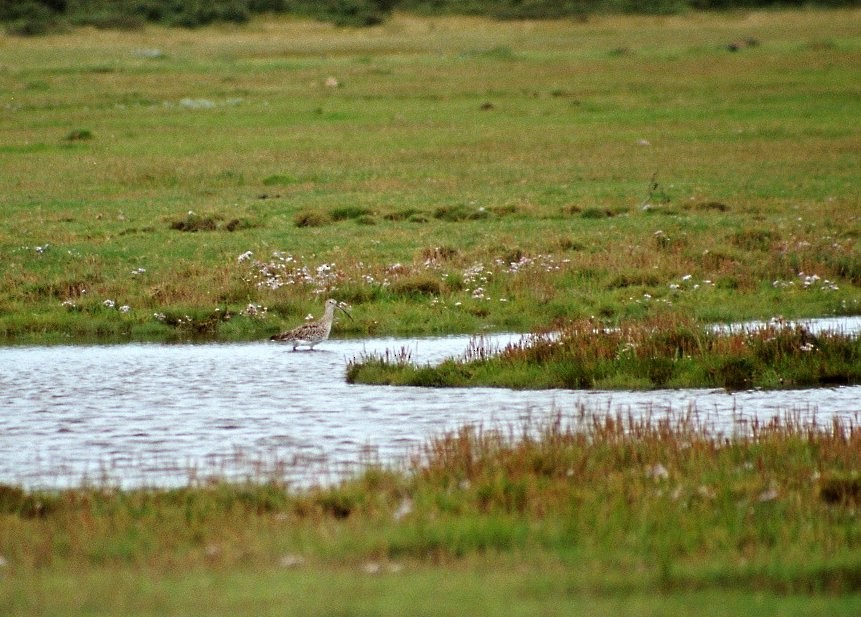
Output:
[[313, 332]]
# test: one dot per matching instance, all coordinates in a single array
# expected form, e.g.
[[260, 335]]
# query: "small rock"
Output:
[[212, 551], [372, 567], [148, 53], [291, 561]]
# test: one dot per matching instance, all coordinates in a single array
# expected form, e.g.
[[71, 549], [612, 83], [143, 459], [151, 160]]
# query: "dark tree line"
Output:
[[40, 16]]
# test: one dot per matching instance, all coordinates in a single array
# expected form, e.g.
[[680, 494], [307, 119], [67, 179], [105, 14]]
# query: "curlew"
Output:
[[312, 332]]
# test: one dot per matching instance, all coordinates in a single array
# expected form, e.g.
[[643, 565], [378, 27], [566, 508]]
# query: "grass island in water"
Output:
[[665, 353]]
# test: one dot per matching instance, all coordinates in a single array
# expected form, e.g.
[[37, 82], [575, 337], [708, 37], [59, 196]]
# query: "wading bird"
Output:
[[312, 332]]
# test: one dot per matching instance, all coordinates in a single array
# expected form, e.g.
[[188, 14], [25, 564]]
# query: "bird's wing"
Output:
[[289, 335]]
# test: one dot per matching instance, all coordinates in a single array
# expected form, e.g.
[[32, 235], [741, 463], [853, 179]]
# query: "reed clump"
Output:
[[658, 353], [668, 492]]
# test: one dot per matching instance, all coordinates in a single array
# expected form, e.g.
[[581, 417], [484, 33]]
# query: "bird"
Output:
[[312, 332]]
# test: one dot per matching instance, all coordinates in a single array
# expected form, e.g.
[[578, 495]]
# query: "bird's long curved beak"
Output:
[[344, 310]]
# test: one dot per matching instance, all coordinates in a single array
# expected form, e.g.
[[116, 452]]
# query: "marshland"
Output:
[[618, 188]]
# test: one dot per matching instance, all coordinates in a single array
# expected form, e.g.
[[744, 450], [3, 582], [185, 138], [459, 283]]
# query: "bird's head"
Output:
[[341, 306]]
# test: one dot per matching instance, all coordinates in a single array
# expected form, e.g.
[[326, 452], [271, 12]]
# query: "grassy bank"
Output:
[[663, 353], [439, 174], [586, 513]]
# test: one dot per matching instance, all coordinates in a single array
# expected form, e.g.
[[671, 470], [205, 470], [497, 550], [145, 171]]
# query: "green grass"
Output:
[[590, 511], [462, 175], [561, 178], [482, 588]]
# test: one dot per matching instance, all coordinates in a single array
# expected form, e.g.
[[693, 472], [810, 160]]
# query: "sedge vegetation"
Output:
[[440, 174], [657, 353], [587, 510]]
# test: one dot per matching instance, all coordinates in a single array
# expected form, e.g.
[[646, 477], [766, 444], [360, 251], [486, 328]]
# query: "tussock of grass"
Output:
[[194, 323], [460, 213], [79, 135], [655, 354], [311, 219], [349, 212], [193, 222], [417, 285]]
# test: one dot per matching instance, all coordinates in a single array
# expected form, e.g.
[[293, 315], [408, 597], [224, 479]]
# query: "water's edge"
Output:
[[167, 414]]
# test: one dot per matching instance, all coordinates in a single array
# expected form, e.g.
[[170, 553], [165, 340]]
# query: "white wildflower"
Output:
[[404, 509], [657, 472], [254, 310], [770, 494], [706, 492], [190, 103]]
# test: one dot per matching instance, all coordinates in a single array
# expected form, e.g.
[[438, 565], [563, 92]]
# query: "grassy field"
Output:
[[443, 175], [590, 514], [439, 174]]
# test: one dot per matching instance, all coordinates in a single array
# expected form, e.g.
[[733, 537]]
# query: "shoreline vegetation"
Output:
[[592, 505], [656, 354]]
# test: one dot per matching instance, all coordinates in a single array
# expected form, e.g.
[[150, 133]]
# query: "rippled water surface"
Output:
[[167, 414]]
